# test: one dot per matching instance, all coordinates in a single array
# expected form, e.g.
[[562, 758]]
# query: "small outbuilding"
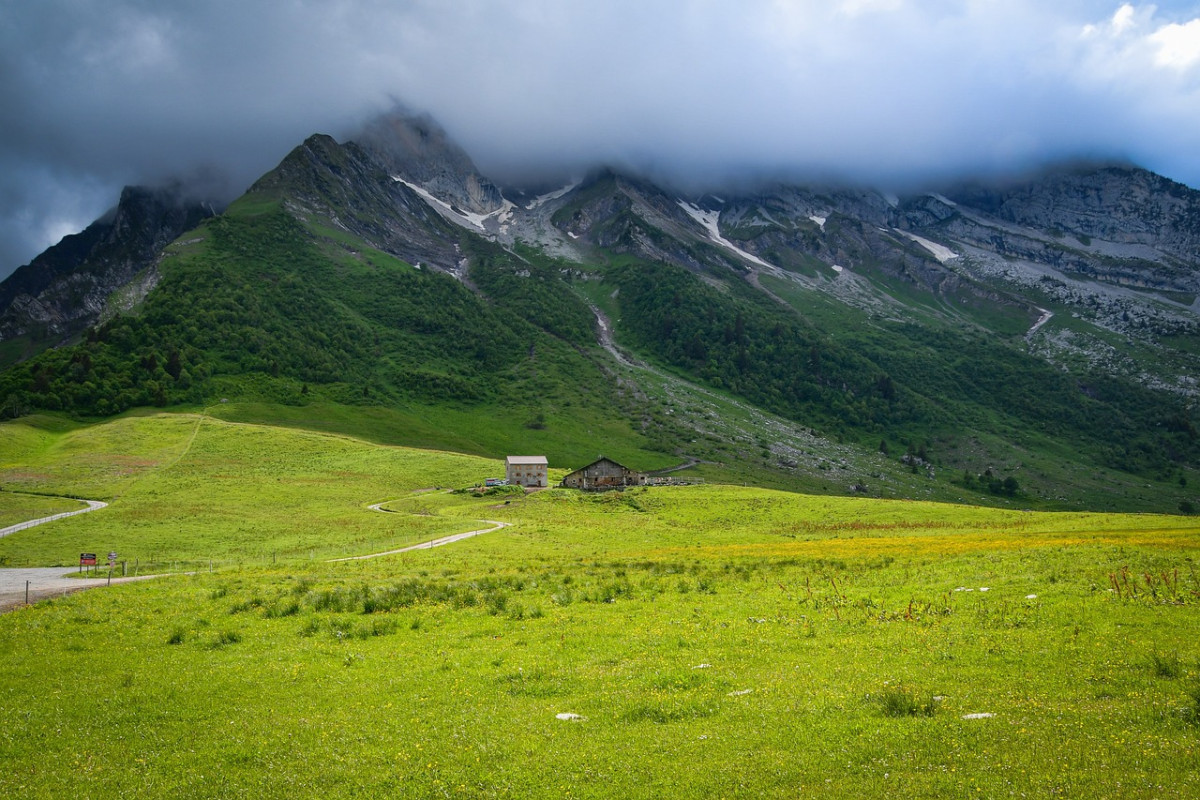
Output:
[[603, 473], [527, 471]]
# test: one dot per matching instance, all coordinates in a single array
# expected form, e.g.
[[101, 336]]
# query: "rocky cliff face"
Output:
[[64, 290], [1121, 223], [1124, 205], [1114, 248]]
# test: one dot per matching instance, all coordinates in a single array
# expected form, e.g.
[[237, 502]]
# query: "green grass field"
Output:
[[714, 641]]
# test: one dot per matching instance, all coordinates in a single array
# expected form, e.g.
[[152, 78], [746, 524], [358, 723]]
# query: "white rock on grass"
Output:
[[740, 693], [981, 715], [567, 716], [702, 666]]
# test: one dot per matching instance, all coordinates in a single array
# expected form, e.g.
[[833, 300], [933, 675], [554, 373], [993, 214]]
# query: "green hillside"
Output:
[[769, 643]]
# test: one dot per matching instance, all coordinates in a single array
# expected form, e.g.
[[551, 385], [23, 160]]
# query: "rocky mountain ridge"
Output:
[[1111, 245]]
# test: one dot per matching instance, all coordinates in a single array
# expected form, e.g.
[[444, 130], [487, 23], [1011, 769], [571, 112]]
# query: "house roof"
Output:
[[526, 460]]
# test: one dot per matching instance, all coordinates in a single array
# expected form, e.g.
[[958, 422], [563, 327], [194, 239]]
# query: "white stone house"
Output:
[[527, 471]]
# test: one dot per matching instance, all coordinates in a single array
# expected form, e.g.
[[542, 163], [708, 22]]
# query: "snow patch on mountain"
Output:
[[708, 219], [1046, 316], [502, 215], [542, 199], [940, 252]]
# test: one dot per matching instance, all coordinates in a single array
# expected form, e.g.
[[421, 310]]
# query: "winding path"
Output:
[[456, 537], [93, 505], [691, 462]]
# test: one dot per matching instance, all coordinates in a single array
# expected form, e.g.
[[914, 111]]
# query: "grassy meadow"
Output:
[[705, 641]]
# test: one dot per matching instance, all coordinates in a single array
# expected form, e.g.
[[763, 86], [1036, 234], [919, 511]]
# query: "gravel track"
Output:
[[457, 537], [46, 582], [93, 505]]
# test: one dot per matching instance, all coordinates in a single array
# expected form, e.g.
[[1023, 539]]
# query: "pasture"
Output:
[[708, 641]]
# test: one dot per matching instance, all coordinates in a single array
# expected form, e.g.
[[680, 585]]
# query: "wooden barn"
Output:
[[604, 473], [527, 471]]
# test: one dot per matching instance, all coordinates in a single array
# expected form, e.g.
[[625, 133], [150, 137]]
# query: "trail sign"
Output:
[[87, 559], [112, 558]]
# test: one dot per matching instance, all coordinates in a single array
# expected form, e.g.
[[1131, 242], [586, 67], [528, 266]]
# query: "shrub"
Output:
[[1166, 666], [1190, 713], [224, 638], [900, 701]]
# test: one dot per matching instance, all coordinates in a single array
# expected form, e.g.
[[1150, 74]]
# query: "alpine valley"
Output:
[[1030, 342]]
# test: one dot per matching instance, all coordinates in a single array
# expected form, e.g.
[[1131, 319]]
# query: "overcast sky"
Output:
[[96, 95]]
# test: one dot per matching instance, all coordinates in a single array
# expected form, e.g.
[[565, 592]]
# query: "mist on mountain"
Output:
[[98, 96]]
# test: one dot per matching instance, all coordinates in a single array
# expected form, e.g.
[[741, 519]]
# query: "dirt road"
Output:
[[47, 582], [457, 537], [92, 505]]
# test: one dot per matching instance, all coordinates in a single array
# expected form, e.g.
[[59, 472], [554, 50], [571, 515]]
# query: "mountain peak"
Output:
[[416, 148]]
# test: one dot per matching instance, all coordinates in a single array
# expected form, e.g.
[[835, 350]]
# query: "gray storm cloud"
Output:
[[98, 95]]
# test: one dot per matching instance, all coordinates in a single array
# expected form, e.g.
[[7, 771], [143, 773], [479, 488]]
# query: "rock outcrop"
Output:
[[64, 290]]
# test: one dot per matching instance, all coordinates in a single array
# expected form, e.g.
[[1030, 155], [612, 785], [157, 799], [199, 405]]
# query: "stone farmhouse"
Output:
[[527, 471], [604, 473]]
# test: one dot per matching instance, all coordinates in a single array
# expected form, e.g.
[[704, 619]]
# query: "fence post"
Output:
[[26, 592]]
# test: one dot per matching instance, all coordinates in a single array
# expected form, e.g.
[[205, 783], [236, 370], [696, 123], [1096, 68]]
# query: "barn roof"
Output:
[[601, 460]]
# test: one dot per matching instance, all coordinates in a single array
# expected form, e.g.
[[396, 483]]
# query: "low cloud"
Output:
[[98, 95]]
